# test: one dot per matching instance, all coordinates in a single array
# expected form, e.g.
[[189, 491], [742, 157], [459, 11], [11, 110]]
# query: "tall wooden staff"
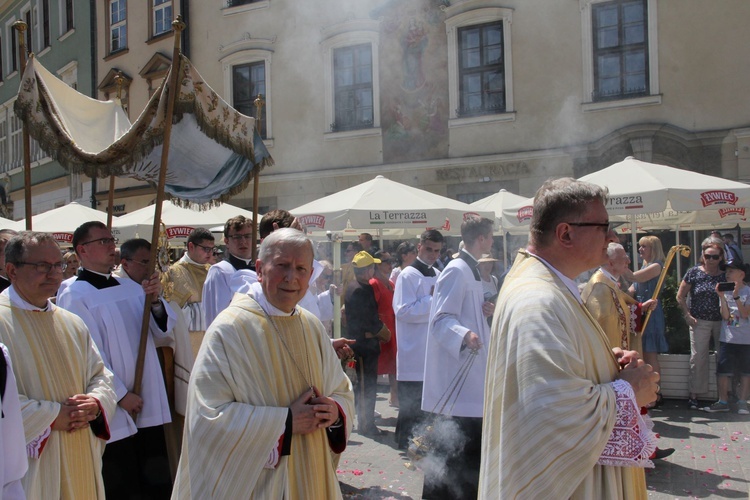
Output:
[[172, 94], [256, 181], [111, 195], [685, 252], [20, 27]]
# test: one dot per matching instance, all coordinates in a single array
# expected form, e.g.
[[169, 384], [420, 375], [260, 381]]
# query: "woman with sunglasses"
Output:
[[703, 316], [644, 281]]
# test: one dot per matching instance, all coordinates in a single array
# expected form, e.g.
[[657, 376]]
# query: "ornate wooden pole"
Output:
[[111, 195], [259, 102], [173, 93], [20, 27]]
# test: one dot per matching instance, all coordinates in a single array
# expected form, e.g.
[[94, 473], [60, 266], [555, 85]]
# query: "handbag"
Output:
[[384, 335]]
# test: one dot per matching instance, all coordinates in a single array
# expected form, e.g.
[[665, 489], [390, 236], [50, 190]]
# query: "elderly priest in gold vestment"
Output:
[[268, 403], [66, 392]]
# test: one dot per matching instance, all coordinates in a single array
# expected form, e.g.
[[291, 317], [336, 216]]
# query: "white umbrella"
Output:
[[382, 204], [63, 221], [496, 203], [11, 224], [179, 221], [638, 187]]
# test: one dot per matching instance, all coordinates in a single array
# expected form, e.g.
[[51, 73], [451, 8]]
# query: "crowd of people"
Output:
[[221, 376]]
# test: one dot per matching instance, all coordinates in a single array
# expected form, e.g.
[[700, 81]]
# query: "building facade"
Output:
[[466, 97], [59, 33]]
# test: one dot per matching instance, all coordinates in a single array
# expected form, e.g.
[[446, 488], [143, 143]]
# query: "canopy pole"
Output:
[[20, 27], [338, 280], [178, 26], [256, 178], [634, 241], [119, 80]]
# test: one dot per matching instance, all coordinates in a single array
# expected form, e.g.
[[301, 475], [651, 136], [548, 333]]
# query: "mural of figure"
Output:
[[414, 43]]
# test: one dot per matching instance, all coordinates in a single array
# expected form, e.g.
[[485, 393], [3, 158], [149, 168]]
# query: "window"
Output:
[[620, 58], [13, 49], [352, 87], [4, 164], [67, 18], [352, 81], [118, 34], [29, 31], [45, 23], [1, 60], [162, 18], [480, 66], [482, 78], [620, 49], [249, 81]]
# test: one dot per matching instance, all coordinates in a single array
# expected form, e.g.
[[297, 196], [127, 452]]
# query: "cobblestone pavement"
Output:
[[711, 459]]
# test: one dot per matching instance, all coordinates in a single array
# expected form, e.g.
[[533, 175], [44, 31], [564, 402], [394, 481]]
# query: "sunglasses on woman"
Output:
[[711, 257]]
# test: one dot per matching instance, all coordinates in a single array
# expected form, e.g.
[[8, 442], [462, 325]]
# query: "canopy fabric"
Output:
[[382, 204], [63, 221], [179, 221], [213, 147]]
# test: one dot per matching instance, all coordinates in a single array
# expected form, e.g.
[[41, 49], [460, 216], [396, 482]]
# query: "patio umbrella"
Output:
[[380, 205], [649, 190], [63, 221], [496, 203], [385, 207], [179, 221]]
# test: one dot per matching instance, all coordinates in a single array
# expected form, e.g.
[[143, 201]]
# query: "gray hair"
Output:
[[559, 200], [16, 248], [284, 236], [612, 249]]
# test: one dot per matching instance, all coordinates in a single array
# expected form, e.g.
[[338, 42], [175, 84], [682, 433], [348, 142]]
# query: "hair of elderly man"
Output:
[[283, 237], [82, 231], [131, 246], [236, 223], [15, 250], [473, 227], [199, 234], [282, 218], [560, 200], [612, 249]]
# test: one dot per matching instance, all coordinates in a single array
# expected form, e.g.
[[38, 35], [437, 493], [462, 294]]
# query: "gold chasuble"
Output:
[[184, 283], [549, 408], [610, 307], [242, 384], [54, 358]]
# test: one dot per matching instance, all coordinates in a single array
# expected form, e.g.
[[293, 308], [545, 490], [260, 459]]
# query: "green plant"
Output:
[[677, 332]]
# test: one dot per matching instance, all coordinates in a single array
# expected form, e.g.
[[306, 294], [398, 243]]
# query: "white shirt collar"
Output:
[[256, 290], [106, 275], [186, 258], [571, 284], [20, 303], [608, 274]]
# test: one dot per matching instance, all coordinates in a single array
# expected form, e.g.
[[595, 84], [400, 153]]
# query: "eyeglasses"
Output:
[[711, 256], [103, 241], [241, 237], [205, 248], [44, 267], [141, 262], [607, 226]]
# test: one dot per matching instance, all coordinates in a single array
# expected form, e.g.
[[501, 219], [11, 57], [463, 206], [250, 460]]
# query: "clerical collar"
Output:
[[240, 263], [21, 303], [569, 283], [97, 280], [256, 290], [471, 261], [423, 267], [186, 258], [608, 274]]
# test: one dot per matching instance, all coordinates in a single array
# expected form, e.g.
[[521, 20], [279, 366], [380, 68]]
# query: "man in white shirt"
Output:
[[412, 299]]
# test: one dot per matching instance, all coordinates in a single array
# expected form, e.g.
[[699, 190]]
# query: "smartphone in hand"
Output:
[[726, 286]]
